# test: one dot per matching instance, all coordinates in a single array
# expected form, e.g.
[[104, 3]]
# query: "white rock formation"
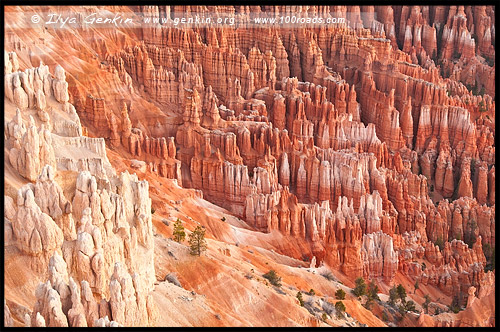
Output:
[[378, 256]]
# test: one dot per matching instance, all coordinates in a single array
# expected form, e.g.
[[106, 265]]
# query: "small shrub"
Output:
[[426, 303], [153, 210], [469, 236], [324, 317], [474, 90], [439, 242], [312, 292], [223, 218], [482, 106], [472, 166], [487, 250], [490, 257], [405, 307], [340, 294], [340, 308], [410, 306], [273, 278], [454, 306], [489, 61], [299, 297]]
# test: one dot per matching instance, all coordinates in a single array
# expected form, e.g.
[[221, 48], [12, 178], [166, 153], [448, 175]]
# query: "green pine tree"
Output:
[[340, 294], [401, 291], [340, 308], [373, 291], [425, 305], [197, 242], [393, 296], [179, 233], [360, 288], [371, 295]]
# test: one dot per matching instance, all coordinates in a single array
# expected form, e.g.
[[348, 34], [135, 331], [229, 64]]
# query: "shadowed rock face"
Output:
[[369, 141]]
